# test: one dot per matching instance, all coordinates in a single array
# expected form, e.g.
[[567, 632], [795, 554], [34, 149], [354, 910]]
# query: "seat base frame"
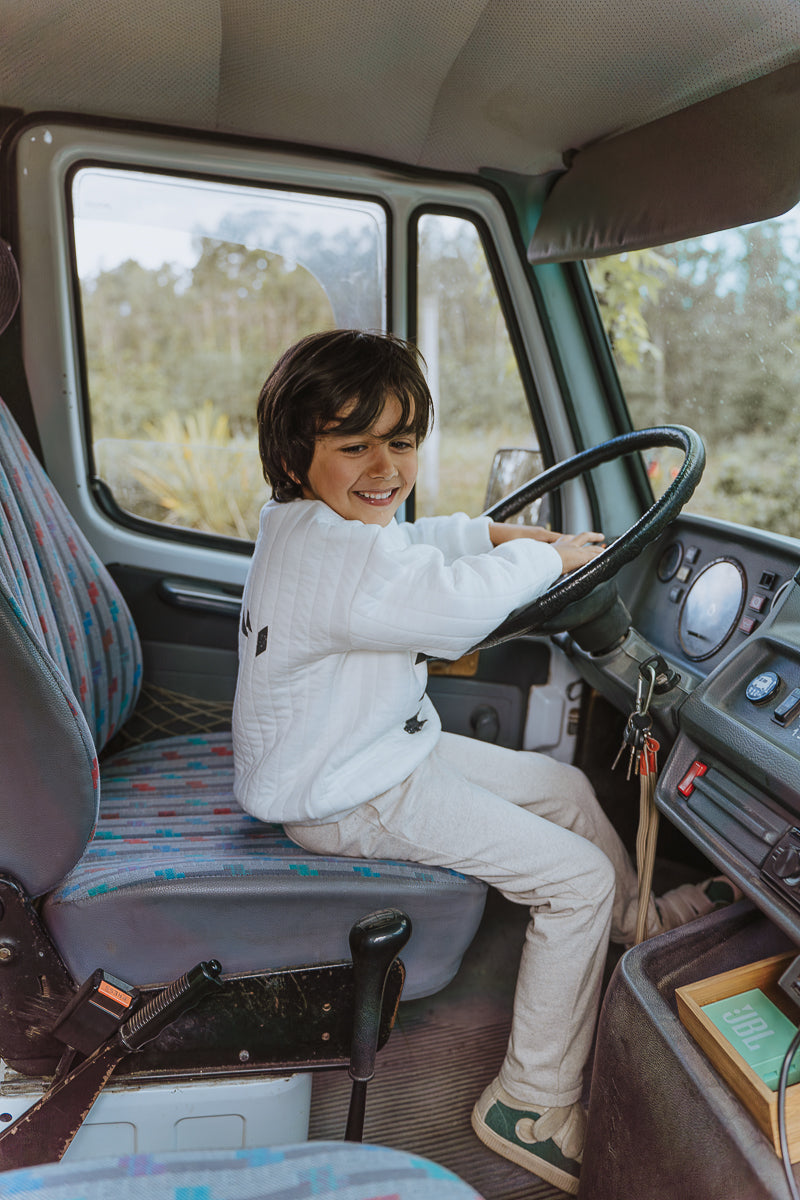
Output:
[[294, 1019]]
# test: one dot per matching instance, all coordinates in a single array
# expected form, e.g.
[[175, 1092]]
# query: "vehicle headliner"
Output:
[[451, 84], [466, 86]]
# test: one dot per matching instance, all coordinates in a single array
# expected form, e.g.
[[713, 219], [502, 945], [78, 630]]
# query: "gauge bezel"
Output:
[[692, 654]]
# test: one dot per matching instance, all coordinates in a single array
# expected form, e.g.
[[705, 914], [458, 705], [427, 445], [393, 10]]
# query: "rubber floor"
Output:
[[442, 1053]]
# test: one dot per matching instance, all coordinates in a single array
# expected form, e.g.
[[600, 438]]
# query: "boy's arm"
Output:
[[499, 533], [575, 549], [362, 587], [412, 599], [454, 535], [459, 535]]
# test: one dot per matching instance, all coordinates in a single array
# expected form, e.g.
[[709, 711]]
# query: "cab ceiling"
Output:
[[673, 117], [451, 84]]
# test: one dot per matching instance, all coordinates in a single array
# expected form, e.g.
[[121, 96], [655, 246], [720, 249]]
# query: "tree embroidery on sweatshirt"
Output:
[[261, 636], [413, 724]]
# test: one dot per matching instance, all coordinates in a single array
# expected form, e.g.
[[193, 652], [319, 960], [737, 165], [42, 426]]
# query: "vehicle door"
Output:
[[174, 276]]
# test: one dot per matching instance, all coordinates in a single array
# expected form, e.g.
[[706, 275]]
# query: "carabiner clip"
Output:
[[642, 704]]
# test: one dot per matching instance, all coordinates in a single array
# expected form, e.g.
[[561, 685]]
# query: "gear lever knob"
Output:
[[375, 942]]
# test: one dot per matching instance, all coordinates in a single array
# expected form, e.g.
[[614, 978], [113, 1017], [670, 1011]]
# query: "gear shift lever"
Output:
[[375, 942]]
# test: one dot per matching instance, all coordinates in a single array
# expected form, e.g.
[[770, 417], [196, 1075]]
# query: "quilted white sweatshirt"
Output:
[[330, 705]]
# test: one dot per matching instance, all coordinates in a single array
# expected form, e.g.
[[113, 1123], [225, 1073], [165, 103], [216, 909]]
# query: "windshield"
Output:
[[706, 333]]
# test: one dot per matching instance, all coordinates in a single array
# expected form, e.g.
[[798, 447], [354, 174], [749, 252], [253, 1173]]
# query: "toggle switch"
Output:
[[696, 770], [787, 708]]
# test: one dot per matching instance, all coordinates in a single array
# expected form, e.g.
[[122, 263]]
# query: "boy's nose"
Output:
[[381, 464]]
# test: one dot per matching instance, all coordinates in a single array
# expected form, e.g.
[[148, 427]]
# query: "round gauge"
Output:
[[711, 609]]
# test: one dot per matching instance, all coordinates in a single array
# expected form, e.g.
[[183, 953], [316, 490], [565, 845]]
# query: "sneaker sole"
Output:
[[524, 1158]]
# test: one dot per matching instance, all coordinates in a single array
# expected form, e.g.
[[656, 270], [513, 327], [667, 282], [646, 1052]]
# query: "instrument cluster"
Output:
[[708, 591]]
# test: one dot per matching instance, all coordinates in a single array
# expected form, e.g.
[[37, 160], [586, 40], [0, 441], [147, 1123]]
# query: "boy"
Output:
[[335, 737]]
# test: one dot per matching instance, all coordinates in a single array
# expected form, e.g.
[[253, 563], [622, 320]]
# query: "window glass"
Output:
[[479, 397], [706, 333], [190, 290]]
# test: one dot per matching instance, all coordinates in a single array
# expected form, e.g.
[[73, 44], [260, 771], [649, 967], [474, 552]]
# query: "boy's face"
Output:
[[364, 476]]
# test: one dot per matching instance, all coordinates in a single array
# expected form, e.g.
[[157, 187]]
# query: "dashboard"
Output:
[[722, 605], [701, 591]]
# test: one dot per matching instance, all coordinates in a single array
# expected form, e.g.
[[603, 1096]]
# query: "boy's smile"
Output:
[[365, 476]]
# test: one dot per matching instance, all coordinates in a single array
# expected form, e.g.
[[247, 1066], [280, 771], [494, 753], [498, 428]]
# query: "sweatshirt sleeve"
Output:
[[454, 535], [396, 595]]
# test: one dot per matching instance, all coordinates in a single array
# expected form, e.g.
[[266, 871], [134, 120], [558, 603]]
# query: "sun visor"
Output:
[[726, 161]]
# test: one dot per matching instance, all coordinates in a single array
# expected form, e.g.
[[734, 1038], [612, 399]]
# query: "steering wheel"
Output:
[[569, 603]]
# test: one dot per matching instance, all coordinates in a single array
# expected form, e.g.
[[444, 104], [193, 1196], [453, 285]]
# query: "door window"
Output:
[[480, 401], [190, 290]]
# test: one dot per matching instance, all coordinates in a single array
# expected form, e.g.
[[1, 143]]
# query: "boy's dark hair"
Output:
[[315, 379]]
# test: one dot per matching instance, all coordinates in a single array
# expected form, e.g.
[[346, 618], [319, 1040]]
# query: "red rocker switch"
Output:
[[686, 785]]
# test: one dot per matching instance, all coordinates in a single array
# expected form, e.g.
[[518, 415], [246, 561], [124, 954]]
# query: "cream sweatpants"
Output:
[[533, 828]]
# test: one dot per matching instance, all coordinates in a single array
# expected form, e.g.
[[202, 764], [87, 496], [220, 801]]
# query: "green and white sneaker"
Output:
[[547, 1143]]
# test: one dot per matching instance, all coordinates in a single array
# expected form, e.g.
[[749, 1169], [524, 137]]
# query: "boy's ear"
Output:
[[291, 475]]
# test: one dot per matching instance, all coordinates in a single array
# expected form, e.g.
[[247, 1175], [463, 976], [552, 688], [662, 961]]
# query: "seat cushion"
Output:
[[176, 872], [323, 1169]]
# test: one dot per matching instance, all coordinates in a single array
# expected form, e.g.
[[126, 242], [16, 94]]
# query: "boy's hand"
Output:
[[499, 533], [577, 549]]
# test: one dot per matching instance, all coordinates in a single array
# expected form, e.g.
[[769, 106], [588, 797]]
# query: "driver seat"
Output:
[[142, 863]]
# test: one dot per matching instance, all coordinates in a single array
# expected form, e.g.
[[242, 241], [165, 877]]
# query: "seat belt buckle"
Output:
[[95, 1012]]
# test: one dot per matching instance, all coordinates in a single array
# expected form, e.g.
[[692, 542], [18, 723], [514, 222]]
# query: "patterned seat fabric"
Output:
[[63, 593], [150, 864], [174, 853], [70, 670], [321, 1169]]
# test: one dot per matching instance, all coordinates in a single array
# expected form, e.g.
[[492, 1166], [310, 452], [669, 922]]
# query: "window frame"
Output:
[[600, 347], [41, 234]]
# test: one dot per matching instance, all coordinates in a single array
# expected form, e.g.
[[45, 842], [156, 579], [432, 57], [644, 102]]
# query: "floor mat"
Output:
[[444, 1050]]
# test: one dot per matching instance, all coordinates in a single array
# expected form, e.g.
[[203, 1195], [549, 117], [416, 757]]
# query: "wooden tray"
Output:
[[759, 1099]]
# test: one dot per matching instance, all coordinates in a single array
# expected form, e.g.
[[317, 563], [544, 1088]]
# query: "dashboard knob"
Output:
[[785, 863], [763, 687]]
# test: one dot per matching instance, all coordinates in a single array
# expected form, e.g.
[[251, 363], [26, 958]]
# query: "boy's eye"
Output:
[[399, 444]]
